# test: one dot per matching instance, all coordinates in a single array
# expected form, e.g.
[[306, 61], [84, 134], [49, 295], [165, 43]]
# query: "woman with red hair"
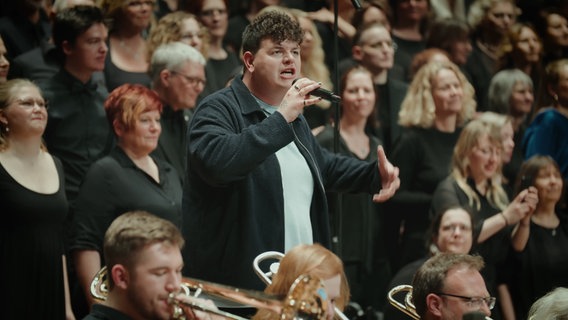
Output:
[[128, 179]]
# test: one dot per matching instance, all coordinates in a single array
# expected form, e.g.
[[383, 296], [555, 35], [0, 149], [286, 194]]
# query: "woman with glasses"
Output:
[[541, 242], [34, 208], [475, 183], [179, 26], [127, 60], [451, 231], [127, 179]]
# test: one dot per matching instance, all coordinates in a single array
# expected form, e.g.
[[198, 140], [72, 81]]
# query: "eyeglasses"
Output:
[[30, 103], [474, 302], [211, 12], [194, 81]]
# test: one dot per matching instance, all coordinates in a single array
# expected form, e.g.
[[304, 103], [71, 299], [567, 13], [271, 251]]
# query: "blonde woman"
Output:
[[34, 210], [179, 26], [475, 183], [438, 103]]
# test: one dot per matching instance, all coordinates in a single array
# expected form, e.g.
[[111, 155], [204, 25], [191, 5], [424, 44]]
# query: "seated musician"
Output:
[[144, 263], [449, 285], [316, 261]]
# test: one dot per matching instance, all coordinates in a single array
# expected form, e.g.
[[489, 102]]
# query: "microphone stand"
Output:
[[337, 215]]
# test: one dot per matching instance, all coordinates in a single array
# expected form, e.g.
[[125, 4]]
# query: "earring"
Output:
[[555, 97]]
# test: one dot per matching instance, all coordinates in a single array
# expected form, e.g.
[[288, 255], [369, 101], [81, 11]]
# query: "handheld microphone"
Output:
[[356, 4], [323, 93]]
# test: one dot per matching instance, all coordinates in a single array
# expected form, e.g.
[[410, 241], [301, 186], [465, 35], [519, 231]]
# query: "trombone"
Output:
[[266, 277], [306, 298]]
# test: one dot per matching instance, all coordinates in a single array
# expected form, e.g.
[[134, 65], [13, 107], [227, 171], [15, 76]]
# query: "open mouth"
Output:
[[290, 72]]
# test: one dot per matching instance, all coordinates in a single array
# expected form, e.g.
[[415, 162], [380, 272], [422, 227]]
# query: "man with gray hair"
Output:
[[178, 76]]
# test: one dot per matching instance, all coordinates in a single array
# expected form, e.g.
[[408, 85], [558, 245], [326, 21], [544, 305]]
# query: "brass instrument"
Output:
[[408, 306], [306, 298], [266, 277]]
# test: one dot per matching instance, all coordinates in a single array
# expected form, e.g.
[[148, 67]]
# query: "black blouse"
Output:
[[115, 185]]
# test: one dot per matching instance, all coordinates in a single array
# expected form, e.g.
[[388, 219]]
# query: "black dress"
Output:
[[31, 246], [362, 250], [540, 267]]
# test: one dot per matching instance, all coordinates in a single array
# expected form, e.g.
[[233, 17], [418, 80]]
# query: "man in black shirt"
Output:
[[178, 76], [77, 131]]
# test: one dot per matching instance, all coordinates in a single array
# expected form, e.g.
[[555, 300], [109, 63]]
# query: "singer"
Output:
[[256, 175]]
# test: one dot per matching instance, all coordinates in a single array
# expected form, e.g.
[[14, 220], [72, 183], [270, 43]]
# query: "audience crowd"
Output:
[[467, 98]]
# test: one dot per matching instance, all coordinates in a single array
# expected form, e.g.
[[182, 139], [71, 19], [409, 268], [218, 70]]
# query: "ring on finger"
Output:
[[295, 86], [304, 103]]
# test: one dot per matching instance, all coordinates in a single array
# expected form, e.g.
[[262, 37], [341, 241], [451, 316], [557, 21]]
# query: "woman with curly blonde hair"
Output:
[[179, 26], [421, 106], [438, 103]]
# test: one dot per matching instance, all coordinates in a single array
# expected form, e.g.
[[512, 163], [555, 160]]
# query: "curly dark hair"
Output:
[[273, 24]]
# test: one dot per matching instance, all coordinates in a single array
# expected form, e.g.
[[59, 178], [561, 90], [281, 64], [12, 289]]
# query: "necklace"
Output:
[[134, 53]]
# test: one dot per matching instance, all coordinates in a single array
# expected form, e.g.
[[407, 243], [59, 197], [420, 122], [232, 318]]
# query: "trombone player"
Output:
[[144, 263]]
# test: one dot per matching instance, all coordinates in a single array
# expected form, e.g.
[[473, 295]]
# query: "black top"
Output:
[[38, 64], [218, 72], [31, 247], [42, 63], [424, 158], [387, 108], [404, 52], [115, 185], [493, 250], [541, 267], [20, 35], [361, 248], [235, 29], [115, 77], [172, 143], [480, 68], [102, 312], [359, 211], [77, 131]]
